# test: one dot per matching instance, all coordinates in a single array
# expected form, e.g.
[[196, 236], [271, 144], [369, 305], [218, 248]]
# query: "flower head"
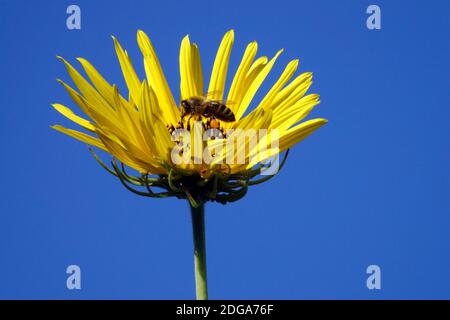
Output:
[[205, 147]]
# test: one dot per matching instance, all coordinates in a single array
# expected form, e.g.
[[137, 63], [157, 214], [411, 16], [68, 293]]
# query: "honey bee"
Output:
[[201, 106]]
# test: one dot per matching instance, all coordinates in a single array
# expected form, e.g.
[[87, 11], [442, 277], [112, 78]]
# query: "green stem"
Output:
[[198, 228]]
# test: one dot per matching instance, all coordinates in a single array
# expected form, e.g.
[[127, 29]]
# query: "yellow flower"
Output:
[[137, 130]]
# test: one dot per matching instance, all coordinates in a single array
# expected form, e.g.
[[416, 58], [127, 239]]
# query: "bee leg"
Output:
[[171, 128], [222, 130], [189, 122]]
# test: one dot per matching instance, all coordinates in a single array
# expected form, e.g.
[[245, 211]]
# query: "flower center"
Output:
[[187, 122]]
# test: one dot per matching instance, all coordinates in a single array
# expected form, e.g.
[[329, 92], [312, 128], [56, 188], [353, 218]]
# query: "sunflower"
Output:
[[146, 130]]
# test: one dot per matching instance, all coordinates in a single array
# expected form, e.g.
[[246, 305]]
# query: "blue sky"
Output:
[[371, 187]]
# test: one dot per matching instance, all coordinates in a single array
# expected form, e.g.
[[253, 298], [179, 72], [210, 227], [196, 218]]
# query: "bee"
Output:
[[201, 106]]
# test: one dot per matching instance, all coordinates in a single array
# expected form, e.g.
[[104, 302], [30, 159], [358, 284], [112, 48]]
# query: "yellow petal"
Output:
[[164, 141], [119, 126], [250, 76], [103, 87], [77, 98], [255, 86], [187, 85], [147, 107], [154, 129], [291, 95], [304, 80], [129, 120], [198, 70], [237, 86], [101, 118], [123, 155], [285, 76], [257, 66], [157, 79], [86, 89], [219, 73], [257, 119], [284, 119], [130, 76], [299, 132], [259, 156], [72, 116], [135, 152], [81, 136]]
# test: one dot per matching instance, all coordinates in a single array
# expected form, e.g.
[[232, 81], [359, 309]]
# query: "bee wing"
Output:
[[210, 94]]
